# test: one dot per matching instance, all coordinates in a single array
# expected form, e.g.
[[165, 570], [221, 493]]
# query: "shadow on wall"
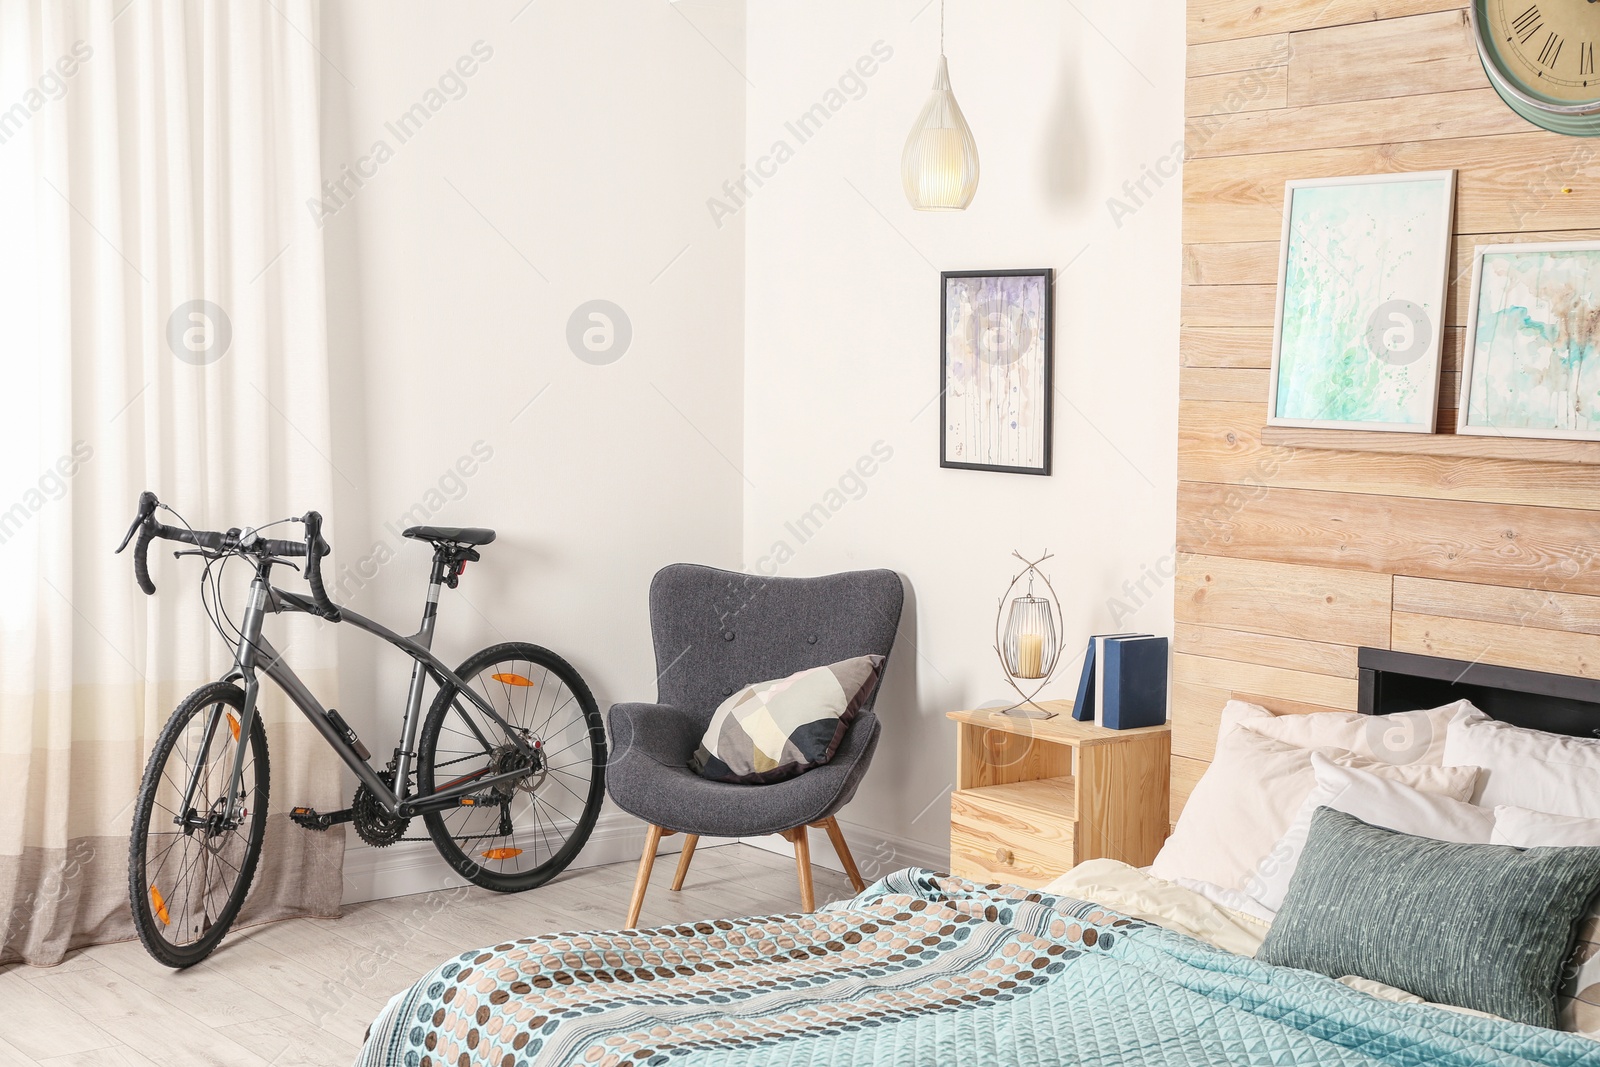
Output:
[[907, 783], [1066, 134]]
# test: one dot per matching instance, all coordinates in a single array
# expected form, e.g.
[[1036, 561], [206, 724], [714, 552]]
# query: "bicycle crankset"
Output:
[[373, 824]]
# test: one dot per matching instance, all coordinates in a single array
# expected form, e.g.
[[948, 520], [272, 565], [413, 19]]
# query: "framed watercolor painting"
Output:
[[1532, 362], [1362, 272], [994, 370]]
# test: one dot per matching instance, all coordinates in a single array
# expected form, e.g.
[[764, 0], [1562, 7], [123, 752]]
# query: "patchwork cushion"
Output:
[[1478, 926], [775, 730]]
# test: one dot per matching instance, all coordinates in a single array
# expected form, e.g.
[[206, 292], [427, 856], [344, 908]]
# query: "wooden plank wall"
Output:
[[1292, 558]]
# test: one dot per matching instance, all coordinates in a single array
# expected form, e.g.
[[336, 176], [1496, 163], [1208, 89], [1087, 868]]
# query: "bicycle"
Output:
[[486, 770]]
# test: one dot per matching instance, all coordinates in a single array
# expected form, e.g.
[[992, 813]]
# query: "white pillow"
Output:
[[1526, 768], [1248, 796], [1530, 829], [1404, 737], [1235, 713], [1579, 996], [1372, 799]]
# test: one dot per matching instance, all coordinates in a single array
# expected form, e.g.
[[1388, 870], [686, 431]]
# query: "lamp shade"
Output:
[[1030, 638], [940, 164]]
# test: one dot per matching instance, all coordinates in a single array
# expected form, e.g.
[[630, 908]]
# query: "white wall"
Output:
[[572, 164], [795, 331], [841, 337]]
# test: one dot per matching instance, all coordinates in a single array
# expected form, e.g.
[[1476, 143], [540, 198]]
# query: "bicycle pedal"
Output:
[[309, 818], [312, 819]]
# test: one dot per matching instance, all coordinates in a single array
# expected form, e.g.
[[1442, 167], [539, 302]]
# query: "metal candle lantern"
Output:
[[1029, 647]]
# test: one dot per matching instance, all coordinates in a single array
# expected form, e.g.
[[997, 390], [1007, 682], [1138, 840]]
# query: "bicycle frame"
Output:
[[256, 655]]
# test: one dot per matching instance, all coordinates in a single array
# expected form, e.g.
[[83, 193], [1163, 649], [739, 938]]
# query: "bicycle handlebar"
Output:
[[271, 547], [313, 549], [316, 548]]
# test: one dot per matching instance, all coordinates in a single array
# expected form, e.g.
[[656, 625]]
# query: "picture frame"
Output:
[[1363, 274], [1521, 294], [996, 374]]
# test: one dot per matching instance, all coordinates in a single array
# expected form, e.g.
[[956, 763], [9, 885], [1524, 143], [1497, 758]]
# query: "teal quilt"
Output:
[[919, 969]]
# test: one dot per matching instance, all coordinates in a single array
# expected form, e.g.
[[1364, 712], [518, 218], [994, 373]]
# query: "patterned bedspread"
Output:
[[919, 969]]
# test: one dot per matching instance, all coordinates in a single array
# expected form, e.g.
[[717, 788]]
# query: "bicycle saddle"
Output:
[[455, 535]]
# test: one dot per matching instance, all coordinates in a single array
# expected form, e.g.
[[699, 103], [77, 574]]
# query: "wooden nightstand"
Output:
[[1035, 797]]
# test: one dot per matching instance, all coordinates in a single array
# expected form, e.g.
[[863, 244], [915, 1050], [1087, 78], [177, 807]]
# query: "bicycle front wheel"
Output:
[[523, 832], [190, 865]]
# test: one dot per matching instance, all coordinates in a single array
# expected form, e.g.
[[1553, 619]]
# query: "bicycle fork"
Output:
[[244, 668]]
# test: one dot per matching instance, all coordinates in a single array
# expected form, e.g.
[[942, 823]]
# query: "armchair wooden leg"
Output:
[[689, 841], [802, 861], [652, 841], [836, 835]]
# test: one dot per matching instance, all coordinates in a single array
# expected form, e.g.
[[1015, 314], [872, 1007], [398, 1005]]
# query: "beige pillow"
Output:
[[1251, 792], [1404, 737]]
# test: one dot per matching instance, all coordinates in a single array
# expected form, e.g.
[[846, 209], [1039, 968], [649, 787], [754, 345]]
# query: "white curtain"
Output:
[[161, 327]]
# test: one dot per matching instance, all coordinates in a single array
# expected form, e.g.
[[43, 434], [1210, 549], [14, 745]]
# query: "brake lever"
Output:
[[138, 522], [147, 507]]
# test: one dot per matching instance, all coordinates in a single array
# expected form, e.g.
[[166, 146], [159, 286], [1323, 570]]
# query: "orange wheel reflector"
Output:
[[159, 906], [502, 853], [233, 724], [511, 679]]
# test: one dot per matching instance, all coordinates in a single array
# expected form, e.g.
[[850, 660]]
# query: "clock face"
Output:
[[1550, 45], [1541, 56]]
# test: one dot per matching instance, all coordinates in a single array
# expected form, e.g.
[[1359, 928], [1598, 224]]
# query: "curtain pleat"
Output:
[[162, 327]]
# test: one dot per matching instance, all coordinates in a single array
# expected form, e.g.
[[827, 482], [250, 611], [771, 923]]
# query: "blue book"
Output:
[[1135, 687], [1083, 704], [1089, 682]]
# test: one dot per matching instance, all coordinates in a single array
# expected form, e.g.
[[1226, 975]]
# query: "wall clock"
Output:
[[1540, 56]]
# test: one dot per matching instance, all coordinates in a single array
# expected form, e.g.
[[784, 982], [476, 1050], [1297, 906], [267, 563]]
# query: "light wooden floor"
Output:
[[301, 993]]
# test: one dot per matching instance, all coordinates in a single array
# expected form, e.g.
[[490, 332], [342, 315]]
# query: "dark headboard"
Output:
[[1402, 681]]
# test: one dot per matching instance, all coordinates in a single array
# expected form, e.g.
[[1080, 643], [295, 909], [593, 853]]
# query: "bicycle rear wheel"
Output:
[[524, 832], [189, 868]]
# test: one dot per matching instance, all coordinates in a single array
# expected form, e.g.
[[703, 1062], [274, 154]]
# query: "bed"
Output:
[[1107, 965]]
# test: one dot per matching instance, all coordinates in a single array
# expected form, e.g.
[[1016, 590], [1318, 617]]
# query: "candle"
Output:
[[1030, 655]]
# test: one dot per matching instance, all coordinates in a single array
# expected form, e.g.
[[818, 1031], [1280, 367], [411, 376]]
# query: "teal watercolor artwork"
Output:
[[1363, 268], [1532, 368]]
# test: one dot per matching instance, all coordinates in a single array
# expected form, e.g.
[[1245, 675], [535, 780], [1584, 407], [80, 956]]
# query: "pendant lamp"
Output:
[[940, 163]]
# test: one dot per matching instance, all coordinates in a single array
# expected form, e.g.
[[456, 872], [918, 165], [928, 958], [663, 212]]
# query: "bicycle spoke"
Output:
[[565, 747], [553, 711], [543, 681], [568, 788], [180, 839]]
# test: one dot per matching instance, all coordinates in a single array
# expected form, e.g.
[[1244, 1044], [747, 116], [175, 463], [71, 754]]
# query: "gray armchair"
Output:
[[715, 632]]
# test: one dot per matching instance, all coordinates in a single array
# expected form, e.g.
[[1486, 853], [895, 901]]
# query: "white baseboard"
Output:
[[415, 866], [876, 853]]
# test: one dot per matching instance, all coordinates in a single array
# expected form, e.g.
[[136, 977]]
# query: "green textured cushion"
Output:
[[1477, 926]]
